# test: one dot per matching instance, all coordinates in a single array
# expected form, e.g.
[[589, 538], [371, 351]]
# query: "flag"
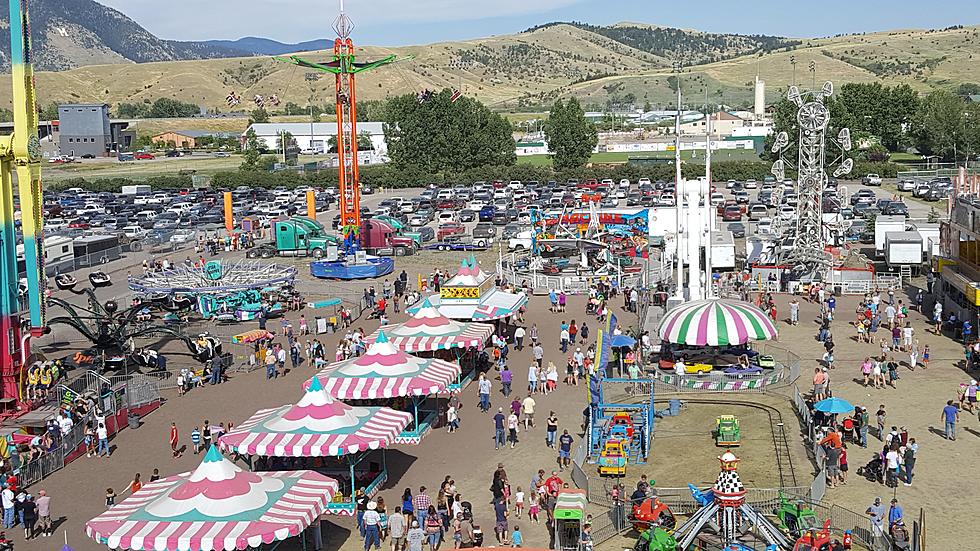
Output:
[[456, 95]]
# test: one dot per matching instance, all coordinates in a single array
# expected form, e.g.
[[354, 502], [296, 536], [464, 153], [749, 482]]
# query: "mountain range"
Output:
[[85, 51]]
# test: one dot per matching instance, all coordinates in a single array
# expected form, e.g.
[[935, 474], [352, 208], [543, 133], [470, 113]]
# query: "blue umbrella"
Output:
[[833, 405], [620, 341]]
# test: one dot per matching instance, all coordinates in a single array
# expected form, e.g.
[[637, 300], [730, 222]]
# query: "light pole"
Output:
[[813, 75], [792, 61], [678, 192]]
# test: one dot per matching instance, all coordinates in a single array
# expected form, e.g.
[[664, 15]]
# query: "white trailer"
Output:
[[903, 248], [139, 189], [930, 238], [722, 250], [883, 226]]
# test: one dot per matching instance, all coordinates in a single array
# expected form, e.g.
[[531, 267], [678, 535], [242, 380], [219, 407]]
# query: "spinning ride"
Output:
[[222, 290], [111, 330]]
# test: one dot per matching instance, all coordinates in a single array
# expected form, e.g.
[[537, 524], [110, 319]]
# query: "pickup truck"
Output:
[[871, 180]]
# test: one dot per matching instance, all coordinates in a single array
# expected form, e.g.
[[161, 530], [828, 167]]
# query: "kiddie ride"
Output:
[[619, 441], [727, 431], [363, 253]]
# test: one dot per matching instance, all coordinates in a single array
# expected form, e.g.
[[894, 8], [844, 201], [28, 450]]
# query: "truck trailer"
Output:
[[884, 225], [903, 248]]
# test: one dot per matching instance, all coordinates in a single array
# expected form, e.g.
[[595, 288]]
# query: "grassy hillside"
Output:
[[515, 72]]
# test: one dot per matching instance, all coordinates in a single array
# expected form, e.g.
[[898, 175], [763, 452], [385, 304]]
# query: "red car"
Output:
[[141, 156], [447, 204], [732, 214], [78, 224], [449, 228], [591, 184]]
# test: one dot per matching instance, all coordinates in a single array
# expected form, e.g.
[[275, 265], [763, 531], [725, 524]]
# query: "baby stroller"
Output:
[[874, 471], [900, 536], [477, 532]]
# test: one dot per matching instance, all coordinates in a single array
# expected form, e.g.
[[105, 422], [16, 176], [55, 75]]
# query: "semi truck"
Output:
[[296, 236], [722, 250], [380, 239]]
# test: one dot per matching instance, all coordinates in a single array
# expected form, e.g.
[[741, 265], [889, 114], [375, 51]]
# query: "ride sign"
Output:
[[459, 292]]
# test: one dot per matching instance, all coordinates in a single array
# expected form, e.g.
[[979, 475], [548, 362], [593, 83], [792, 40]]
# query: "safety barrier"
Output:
[[787, 371], [39, 469]]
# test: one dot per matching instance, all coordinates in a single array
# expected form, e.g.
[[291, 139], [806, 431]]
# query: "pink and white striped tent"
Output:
[[428, 330], [384, 371], [317, 426], [216, 507]]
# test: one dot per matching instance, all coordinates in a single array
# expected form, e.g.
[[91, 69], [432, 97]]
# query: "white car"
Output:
[[787, 213], [643, 181], [183, 236], [765, 226], [751, 184], [906, 185], [134, 232], [624, 183], [447, 216], [717, 199], [730, 184]]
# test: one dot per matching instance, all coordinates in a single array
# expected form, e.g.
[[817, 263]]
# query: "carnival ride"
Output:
[[223, 291], [111, 331], [728, 432], [795, 516], [652, 512], [472, 295], [724, 512], [20, 158], [344, 68]]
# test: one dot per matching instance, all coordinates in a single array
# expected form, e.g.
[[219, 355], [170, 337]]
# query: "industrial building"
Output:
[[85, 129], [314, 136]]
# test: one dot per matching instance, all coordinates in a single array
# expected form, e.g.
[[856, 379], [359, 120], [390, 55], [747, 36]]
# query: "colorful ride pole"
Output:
[[20, 154], [344, 68]]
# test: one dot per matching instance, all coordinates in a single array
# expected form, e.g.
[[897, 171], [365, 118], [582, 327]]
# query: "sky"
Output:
[[404, 22]]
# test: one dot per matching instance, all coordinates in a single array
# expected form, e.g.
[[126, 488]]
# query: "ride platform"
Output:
[[372, 267]]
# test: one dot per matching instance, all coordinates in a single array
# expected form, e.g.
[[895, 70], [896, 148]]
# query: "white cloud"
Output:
[[303, 19]]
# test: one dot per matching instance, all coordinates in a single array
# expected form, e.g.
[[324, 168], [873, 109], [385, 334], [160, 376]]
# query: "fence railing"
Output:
[[39, 469]]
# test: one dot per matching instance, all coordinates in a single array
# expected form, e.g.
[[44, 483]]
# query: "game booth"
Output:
[[472, 295], [430, 334], [324, 435], [713, 339], [386, 376], [217, 507]]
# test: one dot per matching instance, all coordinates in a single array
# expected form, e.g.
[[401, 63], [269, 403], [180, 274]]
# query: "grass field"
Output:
[[616, 157]]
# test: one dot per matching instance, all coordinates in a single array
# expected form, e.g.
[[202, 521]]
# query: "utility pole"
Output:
[[792, 61], [706, 193], [813, 75], [678, 192]]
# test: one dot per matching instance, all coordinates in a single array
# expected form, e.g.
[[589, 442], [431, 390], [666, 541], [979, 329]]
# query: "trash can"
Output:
[[133, 420], [838, 290]]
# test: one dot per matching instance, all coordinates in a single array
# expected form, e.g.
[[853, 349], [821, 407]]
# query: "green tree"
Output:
[[285, 138], [258, 115], [571, 137], [941, 124], [371, 110], [49, 112], [968, 89], [933, 216], [868, 234], [364, 143], [885, 112], [647, 106], [442, 135], [168, 108], [251, 154], [293, 109]]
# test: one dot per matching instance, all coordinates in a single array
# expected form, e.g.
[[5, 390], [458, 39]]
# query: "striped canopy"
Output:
[[386, 372], [429, 330], [715, 322], [316, 426], [249, 337], [216, 507]]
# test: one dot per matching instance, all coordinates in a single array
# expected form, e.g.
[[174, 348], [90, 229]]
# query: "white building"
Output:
[[315, 136], [723, 123]]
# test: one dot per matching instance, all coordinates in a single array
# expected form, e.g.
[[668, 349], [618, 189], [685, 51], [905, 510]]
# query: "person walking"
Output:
[[552, 427], [43, 503], [372, 526], [527, 409], [174, 440], [498, 428], [951, 414], [396, 529], [484, 387], [519, 334], [506, 378], [880, 418], [911, 451], [196, 440], [564, 449]]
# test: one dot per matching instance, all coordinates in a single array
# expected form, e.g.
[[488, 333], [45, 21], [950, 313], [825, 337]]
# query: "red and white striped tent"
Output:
[[317, 426], [216, 507], [428, 330], [384, 371]]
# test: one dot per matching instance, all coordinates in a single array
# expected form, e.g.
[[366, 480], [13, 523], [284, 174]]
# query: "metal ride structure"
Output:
[[20, 154], [344, 67], [809, 257], [112, 331]]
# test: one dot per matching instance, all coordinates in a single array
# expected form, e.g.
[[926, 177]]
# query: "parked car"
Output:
[[871, 179], [737, 229], [906, 184], [732, 214], [894, 208], [467, 215], [183, 236], [484, 230]]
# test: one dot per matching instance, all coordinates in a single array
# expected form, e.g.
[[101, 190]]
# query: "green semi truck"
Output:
[[296, 236]]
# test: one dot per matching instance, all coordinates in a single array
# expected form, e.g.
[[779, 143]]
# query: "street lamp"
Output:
[[792, 61]]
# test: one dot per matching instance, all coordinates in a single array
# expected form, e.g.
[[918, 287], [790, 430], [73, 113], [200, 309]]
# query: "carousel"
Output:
[[707, 344], [221, 290], [217, 507], [386, 376], [325, 435], [431, 334], [472, 295]]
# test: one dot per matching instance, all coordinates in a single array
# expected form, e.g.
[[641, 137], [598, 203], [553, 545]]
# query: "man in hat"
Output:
[[876, 511], [415, 537], [372, 526]]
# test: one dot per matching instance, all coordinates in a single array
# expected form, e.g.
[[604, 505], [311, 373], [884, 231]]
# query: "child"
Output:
[[532, 513], [516, 539], [110, 498], [925, 357], [843, 464], [828, 359], [519, 501]]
